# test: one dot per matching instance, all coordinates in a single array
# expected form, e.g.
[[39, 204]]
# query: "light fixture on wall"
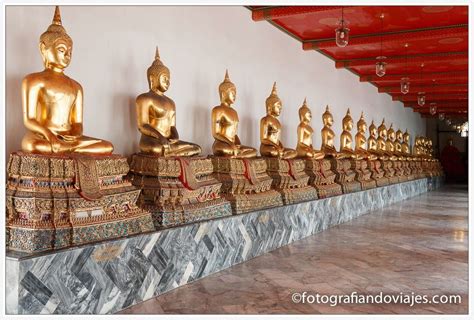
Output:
[[433, 108], [441, 116], [342, 33], [380, 66], [421, 95], [465, 129], [405, 81]]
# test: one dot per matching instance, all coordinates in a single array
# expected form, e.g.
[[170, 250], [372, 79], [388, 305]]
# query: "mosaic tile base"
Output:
[[106, 277]]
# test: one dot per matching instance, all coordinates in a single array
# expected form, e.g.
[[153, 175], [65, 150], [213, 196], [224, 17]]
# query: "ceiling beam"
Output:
[[443, 106], [277, 12], [430, 96], [405, 36], [455, 87], [410, 59], [415, 76]]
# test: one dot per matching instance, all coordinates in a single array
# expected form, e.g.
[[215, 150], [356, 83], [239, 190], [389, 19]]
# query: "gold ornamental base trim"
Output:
[[243, 203], [181, 215], [382, 182], [326, 191], [393, 180], [368, 184], [292, 196], [38, 240], [352, 186]]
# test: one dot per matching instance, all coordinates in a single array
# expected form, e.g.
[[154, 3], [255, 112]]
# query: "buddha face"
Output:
[[391, 135], [348, 124], [373, 131], [164, 82], [399, 136], [229, 96], [327, 119], [275, 108], [406, 138], [307, 116], [362, 127], [57, 55]]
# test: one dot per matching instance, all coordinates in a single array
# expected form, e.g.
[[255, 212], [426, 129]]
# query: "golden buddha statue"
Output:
[[225, 121], [304, 146], [327, 135], [65, 188], [398, 145], [156, 117], [406, 145], [346, 150], [372, 141], [417, 147], [53, 102], [391, 138], [270, 130], [381, 141], [361, 141]]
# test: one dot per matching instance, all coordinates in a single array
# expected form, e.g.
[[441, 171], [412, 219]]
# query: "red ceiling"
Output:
[[437, 38]]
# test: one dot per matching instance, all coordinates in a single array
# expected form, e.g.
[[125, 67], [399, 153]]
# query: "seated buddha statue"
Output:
[[406, 145], [372, 141], [327, 136], [156, 116], [224, 125], [53, 102], [398, 145], [346, 150], [304, 146], [391, 138], [417, 148], [361, 141], [381, 141], [270, 130]]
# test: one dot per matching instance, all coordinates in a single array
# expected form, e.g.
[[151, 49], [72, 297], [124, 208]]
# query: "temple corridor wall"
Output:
[[114, 46]]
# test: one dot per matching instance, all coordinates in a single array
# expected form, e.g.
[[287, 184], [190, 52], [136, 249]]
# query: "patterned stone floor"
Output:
[[419, 245]]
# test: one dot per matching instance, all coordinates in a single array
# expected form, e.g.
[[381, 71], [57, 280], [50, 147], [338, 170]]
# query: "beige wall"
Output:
[[114, 45]]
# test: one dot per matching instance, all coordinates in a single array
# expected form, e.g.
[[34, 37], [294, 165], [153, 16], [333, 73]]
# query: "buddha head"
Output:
[[372, 129], [361, 124], [328, 120], [406, 137], [399, 135], [56, 45], [391, 133], [347, 122], [158, 75], [227, 90], [382, 130], [273, 103], [305, 113]]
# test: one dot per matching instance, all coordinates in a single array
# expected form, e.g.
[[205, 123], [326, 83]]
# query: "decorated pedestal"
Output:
[[177, 190], [322, 178], [363, 174], [106, 277], [345, 176], [378, 174], [246, 184], [415, 171], [399, 171], [59, 201], [290, 180], [408, 170], [387, 166]]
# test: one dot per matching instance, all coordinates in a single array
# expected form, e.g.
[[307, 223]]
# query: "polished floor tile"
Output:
[[419, 245]]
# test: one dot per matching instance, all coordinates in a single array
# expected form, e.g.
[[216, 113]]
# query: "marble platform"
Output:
[[107, 277]]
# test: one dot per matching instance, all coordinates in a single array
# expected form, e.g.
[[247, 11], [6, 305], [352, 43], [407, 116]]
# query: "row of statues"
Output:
[[65, 188]]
